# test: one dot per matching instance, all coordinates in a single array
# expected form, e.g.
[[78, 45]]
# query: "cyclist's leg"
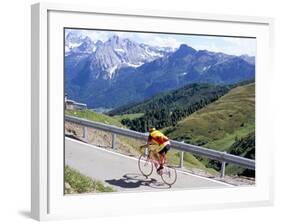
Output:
[[162, 154], [161, 158], [155, 157]]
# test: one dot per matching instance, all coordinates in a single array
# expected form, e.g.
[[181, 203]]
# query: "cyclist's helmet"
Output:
[[151, 129]]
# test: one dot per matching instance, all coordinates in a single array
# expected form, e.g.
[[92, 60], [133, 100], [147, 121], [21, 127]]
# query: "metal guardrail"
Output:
[[223, 157]]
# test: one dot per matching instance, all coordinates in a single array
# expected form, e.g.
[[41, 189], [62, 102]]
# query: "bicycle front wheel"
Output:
[[169, 175], [145, 165]]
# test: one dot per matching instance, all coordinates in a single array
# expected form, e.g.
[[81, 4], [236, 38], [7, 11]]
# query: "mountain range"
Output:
[[120, 71]]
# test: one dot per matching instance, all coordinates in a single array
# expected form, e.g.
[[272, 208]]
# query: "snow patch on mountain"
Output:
[[205, 68], [115, 53], [112, 70], [118, 53], [119, 50], [133, 65]]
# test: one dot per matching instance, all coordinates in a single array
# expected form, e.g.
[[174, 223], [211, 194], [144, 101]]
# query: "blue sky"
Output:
[[228, 45]]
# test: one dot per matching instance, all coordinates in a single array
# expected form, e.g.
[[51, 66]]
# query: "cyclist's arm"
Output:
[[149, 142], [144, 146]]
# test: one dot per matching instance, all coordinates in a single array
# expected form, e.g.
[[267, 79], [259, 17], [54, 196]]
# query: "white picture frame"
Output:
[[48, 201]]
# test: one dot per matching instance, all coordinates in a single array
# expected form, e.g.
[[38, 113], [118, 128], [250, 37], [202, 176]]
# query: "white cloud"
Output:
[[232, 46], [228, 45], [96, 35], [159, 40], [239, 46], [232, 40], [171, 42], [209, 47]]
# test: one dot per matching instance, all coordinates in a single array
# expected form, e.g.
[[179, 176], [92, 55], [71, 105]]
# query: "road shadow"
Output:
[[134, 180]]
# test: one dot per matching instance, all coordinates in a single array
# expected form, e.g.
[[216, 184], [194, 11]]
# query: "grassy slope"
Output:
[[243, 147], [93, 116], [128, 116], [79, 183], [220, 123]]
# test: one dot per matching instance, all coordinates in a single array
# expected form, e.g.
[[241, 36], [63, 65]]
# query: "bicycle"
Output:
[[146, 164]]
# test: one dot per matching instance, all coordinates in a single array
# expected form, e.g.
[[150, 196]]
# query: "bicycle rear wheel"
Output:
[[145, 165], [169, 175]]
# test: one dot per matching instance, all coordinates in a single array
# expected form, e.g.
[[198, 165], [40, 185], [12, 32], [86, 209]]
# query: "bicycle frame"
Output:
[[151, 156], [165, 172]]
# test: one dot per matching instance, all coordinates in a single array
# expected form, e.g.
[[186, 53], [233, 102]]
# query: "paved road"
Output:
[[121, 172]]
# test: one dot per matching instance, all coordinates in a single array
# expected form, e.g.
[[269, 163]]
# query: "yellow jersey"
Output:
[[159, 139]]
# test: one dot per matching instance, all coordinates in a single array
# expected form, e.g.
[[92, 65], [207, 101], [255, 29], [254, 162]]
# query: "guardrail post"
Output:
[[222, 174], [222, 170], [85, 133], [146, 151], [181, 158], [113, 140]]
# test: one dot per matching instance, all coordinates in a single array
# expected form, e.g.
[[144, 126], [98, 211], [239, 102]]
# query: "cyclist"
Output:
[[158, 138]]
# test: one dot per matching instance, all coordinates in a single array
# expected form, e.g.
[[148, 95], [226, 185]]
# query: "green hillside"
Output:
[[94, 116], [220, 123], [168, 108], [128, 116], [179, 98], [243, 147]]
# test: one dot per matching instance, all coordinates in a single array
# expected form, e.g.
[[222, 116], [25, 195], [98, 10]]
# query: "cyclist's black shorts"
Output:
[[165, 149]]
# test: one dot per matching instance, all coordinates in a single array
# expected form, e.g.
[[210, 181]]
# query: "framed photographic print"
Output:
[[132, 111]]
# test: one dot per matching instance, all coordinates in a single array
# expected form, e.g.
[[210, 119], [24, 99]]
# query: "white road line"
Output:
[[129, 157]]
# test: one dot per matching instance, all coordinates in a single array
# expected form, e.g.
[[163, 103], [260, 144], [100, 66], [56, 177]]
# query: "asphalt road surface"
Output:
[[122, 173]]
